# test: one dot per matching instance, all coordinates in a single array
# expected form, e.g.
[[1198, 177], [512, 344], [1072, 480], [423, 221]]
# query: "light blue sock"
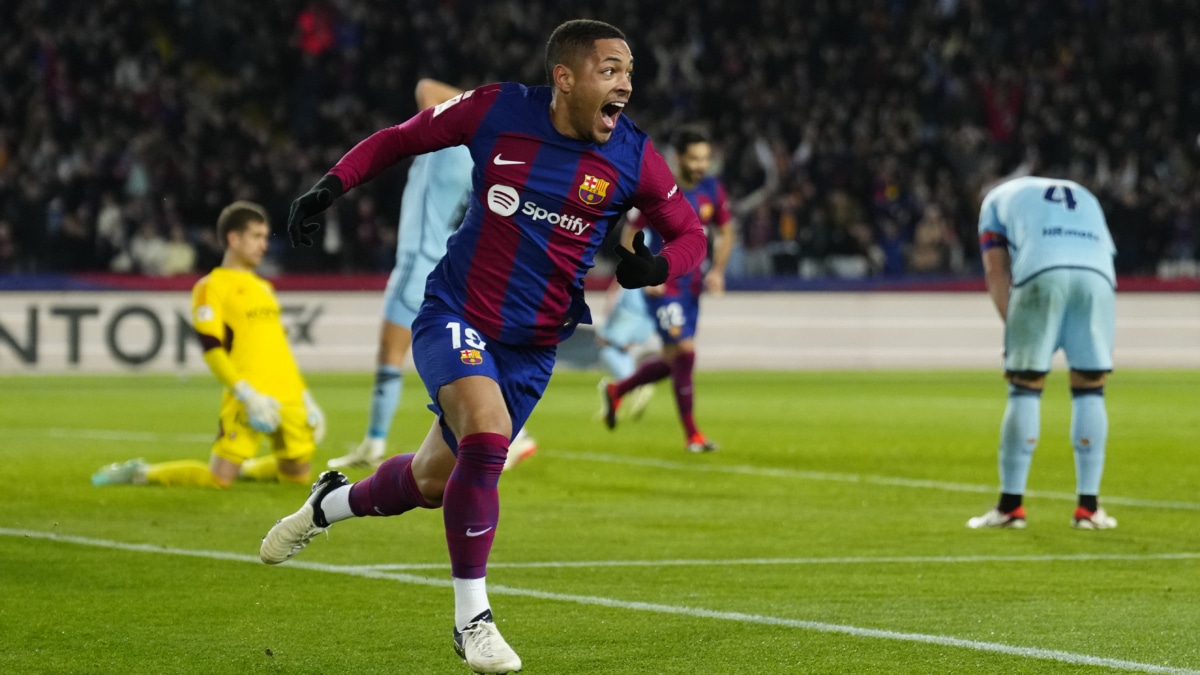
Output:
[[385, 397], [619, 362], [1089, 434], [1019, 437]]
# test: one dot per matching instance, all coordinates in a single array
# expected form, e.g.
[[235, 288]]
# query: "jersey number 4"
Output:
[[1067, 199]]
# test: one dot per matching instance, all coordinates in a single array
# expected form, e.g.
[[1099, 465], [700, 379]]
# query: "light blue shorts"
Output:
[[1071, 308], [406, 287], [628, 324]]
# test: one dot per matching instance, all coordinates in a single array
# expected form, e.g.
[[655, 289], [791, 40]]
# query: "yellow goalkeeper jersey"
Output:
[[238, 311]]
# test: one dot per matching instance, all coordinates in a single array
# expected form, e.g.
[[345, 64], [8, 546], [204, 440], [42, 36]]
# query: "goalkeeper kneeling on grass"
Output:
[[236, 316]]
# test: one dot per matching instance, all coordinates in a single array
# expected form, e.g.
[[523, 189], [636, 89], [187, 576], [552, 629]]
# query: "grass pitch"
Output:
[[826, 536]]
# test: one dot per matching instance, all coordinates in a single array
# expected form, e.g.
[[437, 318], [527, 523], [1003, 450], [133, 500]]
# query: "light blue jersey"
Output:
[[1062, 270], [1047, 223], [434, 200]]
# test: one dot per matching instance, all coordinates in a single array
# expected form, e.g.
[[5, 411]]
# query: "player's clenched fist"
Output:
[[318, 198], [262, 410], [640, 268]]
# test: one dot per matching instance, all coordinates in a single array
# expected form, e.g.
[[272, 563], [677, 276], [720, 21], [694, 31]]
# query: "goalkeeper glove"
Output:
[[318, 198], [316, 418], [262, 410], [640, 268]]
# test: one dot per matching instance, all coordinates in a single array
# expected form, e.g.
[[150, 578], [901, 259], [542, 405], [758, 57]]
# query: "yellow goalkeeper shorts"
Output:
[[237, 441]]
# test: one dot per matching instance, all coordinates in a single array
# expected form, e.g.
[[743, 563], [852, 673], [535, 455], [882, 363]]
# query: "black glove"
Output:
[[317, 199], [640, 267]]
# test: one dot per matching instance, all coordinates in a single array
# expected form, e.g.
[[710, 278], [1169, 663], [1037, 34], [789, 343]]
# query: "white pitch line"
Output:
[[883, 560], [677, 610], [893, 481]]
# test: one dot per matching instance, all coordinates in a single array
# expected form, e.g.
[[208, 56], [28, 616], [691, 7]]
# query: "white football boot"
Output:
[[292, 533], [1013, 520], [1092, 520], [484, 649], [368, 455]]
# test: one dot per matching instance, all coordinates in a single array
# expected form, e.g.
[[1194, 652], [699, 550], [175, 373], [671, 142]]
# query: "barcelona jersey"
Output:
[[711, 204], [540, 206]]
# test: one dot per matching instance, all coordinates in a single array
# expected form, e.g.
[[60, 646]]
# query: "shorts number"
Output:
[[457, 335], [670, 316]]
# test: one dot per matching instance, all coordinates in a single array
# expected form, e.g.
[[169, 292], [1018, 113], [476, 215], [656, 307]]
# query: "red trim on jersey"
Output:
[[989, 240]]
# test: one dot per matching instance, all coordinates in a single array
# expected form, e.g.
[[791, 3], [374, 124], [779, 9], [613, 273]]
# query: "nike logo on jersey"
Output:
[[472, 533], [505, 162]]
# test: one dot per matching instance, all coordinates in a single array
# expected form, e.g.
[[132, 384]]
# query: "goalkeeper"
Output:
[[236, 316]]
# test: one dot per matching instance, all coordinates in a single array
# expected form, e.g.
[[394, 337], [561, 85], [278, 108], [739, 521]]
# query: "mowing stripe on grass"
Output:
[[883, 560], [893, 481], [695, 612]]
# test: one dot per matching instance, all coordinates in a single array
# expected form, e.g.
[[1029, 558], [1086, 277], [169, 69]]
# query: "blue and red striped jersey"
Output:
[[711, 204], [540, 206]]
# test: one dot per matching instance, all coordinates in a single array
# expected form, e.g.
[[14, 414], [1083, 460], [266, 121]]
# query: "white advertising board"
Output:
[[128, 331]]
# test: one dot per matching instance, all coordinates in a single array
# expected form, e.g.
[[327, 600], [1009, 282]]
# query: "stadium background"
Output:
[[126, 125], [827, 534]]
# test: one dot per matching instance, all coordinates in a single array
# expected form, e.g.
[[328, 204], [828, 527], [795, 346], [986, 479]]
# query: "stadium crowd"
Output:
[[125, 125]]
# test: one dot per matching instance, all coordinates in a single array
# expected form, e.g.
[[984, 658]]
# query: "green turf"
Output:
[[826, 536]]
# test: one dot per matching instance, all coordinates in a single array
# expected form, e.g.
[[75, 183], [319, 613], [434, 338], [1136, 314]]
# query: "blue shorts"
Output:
[[1066, 307], [406, 287], [675, 316], [446, 348], [628, 324]]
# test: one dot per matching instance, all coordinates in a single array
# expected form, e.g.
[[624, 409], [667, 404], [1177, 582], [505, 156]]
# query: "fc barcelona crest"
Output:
[[471, 357], [593, 190]]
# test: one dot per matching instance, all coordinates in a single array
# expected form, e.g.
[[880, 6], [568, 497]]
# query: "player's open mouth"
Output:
[[610, 112]]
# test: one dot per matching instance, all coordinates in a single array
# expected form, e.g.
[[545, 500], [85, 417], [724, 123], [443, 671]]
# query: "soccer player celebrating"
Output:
[[434, 200], [675, 305], [1048, 259], [554, 167], [236, 316]]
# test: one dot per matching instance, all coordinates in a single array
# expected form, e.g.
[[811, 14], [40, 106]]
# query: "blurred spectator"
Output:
[[180, 255], [148, 250], [8, 249]]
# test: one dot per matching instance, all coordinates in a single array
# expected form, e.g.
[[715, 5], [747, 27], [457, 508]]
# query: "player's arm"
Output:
[[658, 198], [431, 92], [208, 322], [993, 247], [452, 122], [714, 281], [997, 270]]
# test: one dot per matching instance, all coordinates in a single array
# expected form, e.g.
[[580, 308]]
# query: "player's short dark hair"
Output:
[[574, 40], [237, 217], [686, 136]]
